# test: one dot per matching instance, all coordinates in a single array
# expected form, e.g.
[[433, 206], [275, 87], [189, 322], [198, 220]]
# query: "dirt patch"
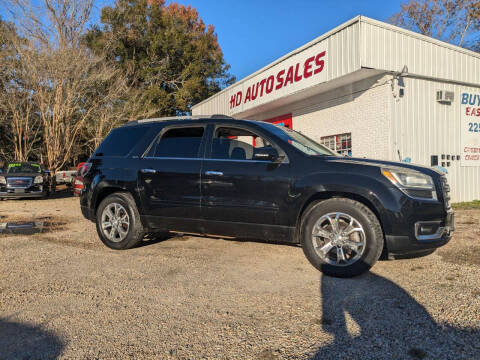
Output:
[[464, 247], [66, 241], [267, 355], [415, 268], [468, 255], [212, 299]]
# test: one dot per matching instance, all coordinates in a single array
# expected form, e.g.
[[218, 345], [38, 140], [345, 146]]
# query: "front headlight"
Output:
[[2, 180], [412, 182], [38, 180]]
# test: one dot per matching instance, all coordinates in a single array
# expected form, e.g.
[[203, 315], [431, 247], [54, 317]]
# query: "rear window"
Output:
[[121, 141]]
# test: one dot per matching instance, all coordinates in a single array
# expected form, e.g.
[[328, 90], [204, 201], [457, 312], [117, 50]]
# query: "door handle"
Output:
[[148, 171], [214, 173]]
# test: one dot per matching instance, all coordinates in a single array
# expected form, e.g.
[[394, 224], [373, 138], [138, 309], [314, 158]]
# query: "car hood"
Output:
[[383, 163]]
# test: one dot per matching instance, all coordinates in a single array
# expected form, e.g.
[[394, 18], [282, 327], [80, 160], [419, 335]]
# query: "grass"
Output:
[[475, 204]]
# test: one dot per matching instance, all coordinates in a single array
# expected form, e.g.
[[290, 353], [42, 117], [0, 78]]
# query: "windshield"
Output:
[[16, 168], [301, 142]]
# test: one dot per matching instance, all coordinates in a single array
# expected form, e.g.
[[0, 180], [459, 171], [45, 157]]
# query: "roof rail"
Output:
[[188, 117], [220, 116]]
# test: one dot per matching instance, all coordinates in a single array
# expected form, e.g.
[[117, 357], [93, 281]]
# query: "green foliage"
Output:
[[475, 204], [170, 58]]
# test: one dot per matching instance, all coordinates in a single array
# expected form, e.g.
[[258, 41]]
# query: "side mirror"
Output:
[[266, 154]]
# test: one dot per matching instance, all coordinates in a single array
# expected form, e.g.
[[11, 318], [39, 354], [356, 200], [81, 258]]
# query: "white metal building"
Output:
[[370, 89]]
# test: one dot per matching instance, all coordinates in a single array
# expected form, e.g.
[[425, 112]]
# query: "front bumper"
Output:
[[403, 245], [30, 191], [14, 195]]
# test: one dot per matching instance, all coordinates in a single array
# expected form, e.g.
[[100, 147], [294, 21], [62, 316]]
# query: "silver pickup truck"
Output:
[[65, 177]]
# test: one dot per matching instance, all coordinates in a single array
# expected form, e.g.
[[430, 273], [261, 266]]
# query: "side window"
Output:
[[236, 144], [183, 142]]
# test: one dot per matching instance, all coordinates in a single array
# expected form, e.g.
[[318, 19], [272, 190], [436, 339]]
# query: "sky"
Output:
[[253, 33]]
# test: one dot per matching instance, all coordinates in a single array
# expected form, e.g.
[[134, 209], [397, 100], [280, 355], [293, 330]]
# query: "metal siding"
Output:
[[363, 42], [423, 127], [389, 48], [342, 58]]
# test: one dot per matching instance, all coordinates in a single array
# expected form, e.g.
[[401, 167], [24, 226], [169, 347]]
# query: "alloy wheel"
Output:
[[115, 222], [338, 239]]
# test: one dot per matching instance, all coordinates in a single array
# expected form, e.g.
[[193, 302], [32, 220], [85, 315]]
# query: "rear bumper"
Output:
[[88, 213]]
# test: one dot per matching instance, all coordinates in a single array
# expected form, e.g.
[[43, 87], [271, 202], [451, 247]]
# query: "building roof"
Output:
[[357, 45]]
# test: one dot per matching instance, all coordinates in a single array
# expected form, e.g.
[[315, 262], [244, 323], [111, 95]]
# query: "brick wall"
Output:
[[362, 108]]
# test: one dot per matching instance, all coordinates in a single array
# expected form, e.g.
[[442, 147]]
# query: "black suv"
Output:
[[24, 179], [249, 179]]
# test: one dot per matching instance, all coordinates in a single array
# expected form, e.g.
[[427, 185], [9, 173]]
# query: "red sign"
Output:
[[298, 72]]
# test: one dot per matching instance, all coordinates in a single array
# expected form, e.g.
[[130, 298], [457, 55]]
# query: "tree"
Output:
[[453, 21], [20, 126], [68, 85], [168, 55]]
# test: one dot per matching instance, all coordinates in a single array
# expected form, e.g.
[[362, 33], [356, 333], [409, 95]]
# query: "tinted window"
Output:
[[236, 144], [121, 141], [181, 142]]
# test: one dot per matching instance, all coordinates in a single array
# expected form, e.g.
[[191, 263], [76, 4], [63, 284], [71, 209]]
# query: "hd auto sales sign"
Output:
[[470, 128], [299, 71]]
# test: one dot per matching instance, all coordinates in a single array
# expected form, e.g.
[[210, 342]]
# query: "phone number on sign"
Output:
[[474, 127]]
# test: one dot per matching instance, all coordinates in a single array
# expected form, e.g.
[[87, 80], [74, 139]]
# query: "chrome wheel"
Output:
[[338, 239], [115, 222]]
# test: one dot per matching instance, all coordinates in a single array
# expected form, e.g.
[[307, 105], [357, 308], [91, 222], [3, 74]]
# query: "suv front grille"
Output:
[[445, 191], [19, 182]]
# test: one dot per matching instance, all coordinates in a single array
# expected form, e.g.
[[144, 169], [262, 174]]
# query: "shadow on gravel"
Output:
[[60, 194], [393, 325], [161, 237], [22, 341]]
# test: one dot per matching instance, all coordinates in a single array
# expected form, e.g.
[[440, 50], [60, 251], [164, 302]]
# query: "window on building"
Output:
[[341, 143], [283, 120]]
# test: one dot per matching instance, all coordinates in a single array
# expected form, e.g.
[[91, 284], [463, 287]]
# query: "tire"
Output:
[[124, 237], [353, 259]]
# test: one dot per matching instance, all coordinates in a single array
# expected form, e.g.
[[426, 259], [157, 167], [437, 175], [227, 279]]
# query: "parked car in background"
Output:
[[65, 177], [251, 179], [24, 179]]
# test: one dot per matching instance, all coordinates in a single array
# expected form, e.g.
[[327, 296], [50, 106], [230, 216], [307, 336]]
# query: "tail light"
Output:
[[84, 169]]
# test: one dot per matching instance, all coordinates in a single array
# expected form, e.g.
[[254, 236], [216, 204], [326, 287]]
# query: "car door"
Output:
[[169, 178], [237, 189]]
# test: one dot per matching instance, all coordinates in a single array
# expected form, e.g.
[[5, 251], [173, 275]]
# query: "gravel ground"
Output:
[[64, 294]]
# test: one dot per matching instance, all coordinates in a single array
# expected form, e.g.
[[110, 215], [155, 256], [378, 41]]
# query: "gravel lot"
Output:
[[64, 294]]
